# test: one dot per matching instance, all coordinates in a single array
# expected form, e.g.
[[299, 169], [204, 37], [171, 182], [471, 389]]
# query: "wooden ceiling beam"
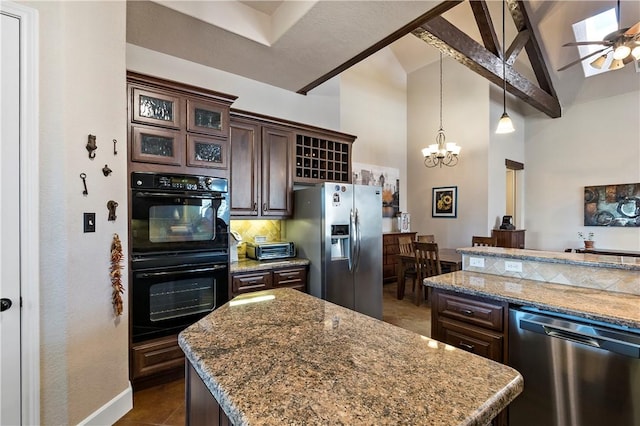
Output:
[[485, 26], [522, 22], [516, 46], [401, 32], [451, 41]]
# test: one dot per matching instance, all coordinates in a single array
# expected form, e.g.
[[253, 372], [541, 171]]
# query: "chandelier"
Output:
[[441, 152]]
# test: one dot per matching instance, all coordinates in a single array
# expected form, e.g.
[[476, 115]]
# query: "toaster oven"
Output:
[[270, 250]]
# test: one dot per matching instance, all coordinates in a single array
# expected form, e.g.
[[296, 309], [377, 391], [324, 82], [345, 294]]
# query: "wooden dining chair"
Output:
[[405, 245], [428, 238], [483, 241], [427, 265]]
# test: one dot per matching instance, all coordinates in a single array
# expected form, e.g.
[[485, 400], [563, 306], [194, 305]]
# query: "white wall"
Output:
[[373, 106], [84, 348], [593, 143], [466, 121], [501, 147]]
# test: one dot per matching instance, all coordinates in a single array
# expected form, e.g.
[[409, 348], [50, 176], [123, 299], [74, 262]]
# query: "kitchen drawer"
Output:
[[472, 310], [294, 278], [156, 356], [244, 283], [472, 339]]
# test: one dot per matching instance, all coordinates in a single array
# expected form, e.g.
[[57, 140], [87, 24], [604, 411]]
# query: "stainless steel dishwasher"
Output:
[[576, 372]]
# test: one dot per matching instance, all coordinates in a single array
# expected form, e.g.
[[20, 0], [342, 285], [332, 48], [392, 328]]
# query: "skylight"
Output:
[[595, 28]]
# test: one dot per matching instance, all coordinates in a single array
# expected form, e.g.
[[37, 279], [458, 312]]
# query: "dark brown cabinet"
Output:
[[474, 324], [260, 181], [201, 407], [155, 361], [176, 128], [245, 282], [471, 323], [509, 238]]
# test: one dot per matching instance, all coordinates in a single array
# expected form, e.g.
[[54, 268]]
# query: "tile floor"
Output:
[[164, 405]]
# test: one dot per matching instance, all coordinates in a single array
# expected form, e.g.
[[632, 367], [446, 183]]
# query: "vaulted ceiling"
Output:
[[297, 45]]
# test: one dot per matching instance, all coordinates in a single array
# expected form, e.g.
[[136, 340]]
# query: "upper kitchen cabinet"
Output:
[[321, 156], [260, 181], [177, 128]]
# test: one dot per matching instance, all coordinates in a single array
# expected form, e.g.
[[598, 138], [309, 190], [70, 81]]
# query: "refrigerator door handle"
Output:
[[358, 238], [351, 240]]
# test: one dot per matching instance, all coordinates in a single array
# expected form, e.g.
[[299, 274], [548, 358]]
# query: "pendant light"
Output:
[[441, 152], [504, 125]]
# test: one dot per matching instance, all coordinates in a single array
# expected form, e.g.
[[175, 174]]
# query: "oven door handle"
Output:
[[179, 194], [167, 273]]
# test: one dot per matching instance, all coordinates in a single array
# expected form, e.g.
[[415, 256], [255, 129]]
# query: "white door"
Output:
[[19, 212], [10, 383]]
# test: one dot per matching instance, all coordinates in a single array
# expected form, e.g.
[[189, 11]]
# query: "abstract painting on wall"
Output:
[[612, 205], [386, 177]]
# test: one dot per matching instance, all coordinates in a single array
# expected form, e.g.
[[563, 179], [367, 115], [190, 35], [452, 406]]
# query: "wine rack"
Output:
[[322, 160]]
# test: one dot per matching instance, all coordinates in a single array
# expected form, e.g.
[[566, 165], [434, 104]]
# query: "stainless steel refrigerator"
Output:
[[338, 227]]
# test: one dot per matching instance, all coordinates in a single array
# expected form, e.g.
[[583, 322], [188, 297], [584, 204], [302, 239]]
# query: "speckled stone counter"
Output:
[[613, 307], [245, 264], [583, 259], [296, 359]]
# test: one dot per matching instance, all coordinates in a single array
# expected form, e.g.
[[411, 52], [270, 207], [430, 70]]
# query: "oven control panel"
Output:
[[172, 182]]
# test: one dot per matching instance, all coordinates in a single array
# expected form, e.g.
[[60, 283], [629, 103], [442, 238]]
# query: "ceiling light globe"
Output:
[[505, 125], [621, 52], [636, 53], [616, 64], [599, 62]]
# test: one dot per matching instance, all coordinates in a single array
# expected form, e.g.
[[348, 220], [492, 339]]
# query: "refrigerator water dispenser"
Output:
[[339, 242]]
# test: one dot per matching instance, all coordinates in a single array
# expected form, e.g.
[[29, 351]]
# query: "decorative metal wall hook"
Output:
[[106, 170], [111, 206], [91, 146], [115, 151], [83, 176]]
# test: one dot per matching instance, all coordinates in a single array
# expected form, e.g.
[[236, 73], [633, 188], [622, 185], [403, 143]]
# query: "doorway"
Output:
[[515, 192], [19, 263]]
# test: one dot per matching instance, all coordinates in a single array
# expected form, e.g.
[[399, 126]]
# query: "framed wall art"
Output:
[[386, 177], [445, 202], [612, 205]]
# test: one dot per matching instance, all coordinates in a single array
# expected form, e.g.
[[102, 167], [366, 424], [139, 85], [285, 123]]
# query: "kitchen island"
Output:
[[283, 357], [596, 287], [554, 317]]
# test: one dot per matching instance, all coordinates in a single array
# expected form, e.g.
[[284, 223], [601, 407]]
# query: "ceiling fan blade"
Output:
[[633, 30], [585, 43], [582, 59]]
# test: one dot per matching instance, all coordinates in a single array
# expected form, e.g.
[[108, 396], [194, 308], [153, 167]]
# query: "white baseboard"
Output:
[[112, 411]]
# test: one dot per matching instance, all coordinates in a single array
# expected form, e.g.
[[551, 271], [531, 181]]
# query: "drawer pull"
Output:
[[467, 312], [466, 346]]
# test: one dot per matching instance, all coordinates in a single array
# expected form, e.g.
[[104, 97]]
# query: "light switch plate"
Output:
[[477, 262], [89, 222]]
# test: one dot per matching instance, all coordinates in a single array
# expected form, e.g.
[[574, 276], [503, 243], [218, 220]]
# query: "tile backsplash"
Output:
[[611, 279], [249, 229]]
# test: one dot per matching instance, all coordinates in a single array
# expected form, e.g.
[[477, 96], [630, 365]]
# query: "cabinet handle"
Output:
[[255, 207], [264, 207], [467, 312], [466, 346]]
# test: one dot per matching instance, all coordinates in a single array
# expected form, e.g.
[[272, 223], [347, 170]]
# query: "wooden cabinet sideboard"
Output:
[[389, 251], [509, 238]]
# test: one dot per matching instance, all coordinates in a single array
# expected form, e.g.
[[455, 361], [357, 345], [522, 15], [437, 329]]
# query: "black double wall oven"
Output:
[[179, 251]]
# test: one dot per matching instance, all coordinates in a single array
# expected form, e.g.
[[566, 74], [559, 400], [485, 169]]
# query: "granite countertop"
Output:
[[584, 259], [294, 358], [246, 264], [601, 305]]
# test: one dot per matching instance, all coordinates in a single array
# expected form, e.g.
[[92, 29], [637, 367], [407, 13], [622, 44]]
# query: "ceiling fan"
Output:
[[624, 44]]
